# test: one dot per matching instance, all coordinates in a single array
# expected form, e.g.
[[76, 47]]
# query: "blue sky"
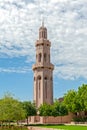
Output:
[[66, 21]]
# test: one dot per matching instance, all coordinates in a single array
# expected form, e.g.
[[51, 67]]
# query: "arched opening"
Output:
[[42, 34], [46, 34], [51, 78], [49, 57], [34, 78], [39, 77], [45, 78], [45, 57], [39, 57], [36, 56], [45, 86], [39, 85]]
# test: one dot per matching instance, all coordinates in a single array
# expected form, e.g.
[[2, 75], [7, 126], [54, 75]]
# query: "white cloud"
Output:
[[57, 1], [15, 70], [66, 21]]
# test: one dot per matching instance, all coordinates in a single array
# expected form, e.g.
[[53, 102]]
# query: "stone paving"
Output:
[[39, 128]]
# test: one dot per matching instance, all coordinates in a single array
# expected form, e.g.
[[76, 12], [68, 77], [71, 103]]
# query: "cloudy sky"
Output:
[[66, 21]]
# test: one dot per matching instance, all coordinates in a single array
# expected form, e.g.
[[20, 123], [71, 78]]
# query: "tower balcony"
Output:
[[43, 66], [42, 42]]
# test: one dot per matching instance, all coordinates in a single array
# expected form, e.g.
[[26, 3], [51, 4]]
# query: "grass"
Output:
[[66, 127], [13, 128]]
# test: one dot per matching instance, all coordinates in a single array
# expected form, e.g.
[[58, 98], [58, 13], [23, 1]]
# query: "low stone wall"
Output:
[[39, 128], [50, 119], [57, 120]]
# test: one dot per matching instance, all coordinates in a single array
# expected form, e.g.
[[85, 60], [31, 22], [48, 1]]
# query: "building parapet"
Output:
[[42, 42], [40, 65]]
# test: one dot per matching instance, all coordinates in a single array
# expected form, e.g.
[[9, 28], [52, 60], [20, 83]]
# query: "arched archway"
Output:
[[39, 57], [45, 83], [39, 86], [45, 57]]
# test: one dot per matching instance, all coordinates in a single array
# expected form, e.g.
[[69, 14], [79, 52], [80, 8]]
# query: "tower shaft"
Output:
[[43, 70]]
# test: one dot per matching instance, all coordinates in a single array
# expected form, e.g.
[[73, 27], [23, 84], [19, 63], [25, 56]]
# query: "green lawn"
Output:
[[67, 127]]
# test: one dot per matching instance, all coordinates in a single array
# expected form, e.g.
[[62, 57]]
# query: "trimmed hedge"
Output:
[[80, 119]]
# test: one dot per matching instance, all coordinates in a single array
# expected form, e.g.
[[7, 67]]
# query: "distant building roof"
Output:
[[61, 99]]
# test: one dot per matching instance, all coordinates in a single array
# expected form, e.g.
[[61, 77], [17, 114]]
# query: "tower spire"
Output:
[[42, 31], [43, 22]]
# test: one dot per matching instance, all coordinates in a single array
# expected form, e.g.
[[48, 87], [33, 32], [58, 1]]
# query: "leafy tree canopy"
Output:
[[29, 108], [11, 109], [57, 109], [76, 101]]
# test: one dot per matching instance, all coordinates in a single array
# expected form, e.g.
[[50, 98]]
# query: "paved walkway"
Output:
[[39, 128], [81, 124]]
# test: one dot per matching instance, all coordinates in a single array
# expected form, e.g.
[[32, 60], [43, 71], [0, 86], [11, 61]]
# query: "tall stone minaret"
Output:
[[43, 70]]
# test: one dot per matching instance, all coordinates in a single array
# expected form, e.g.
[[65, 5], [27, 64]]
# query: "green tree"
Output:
[[59, 109], [45, 110], [62, 109], [82, 97], [56, 108], [29, 108], [11, 109], [71, 102]]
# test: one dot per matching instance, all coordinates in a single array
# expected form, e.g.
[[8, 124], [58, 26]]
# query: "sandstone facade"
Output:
[[43, 70]]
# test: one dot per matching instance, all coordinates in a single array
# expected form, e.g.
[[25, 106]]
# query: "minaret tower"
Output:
[[43, 70]]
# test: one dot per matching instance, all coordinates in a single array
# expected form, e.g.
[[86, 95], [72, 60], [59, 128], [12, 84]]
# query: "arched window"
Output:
[[46, 35], [45, 57], [36, 56], [39, 77], [42, 34], [45, 86], [51, 78], [34, 78], [45, 78], [39, 85], [39, 57], [49, 57]]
